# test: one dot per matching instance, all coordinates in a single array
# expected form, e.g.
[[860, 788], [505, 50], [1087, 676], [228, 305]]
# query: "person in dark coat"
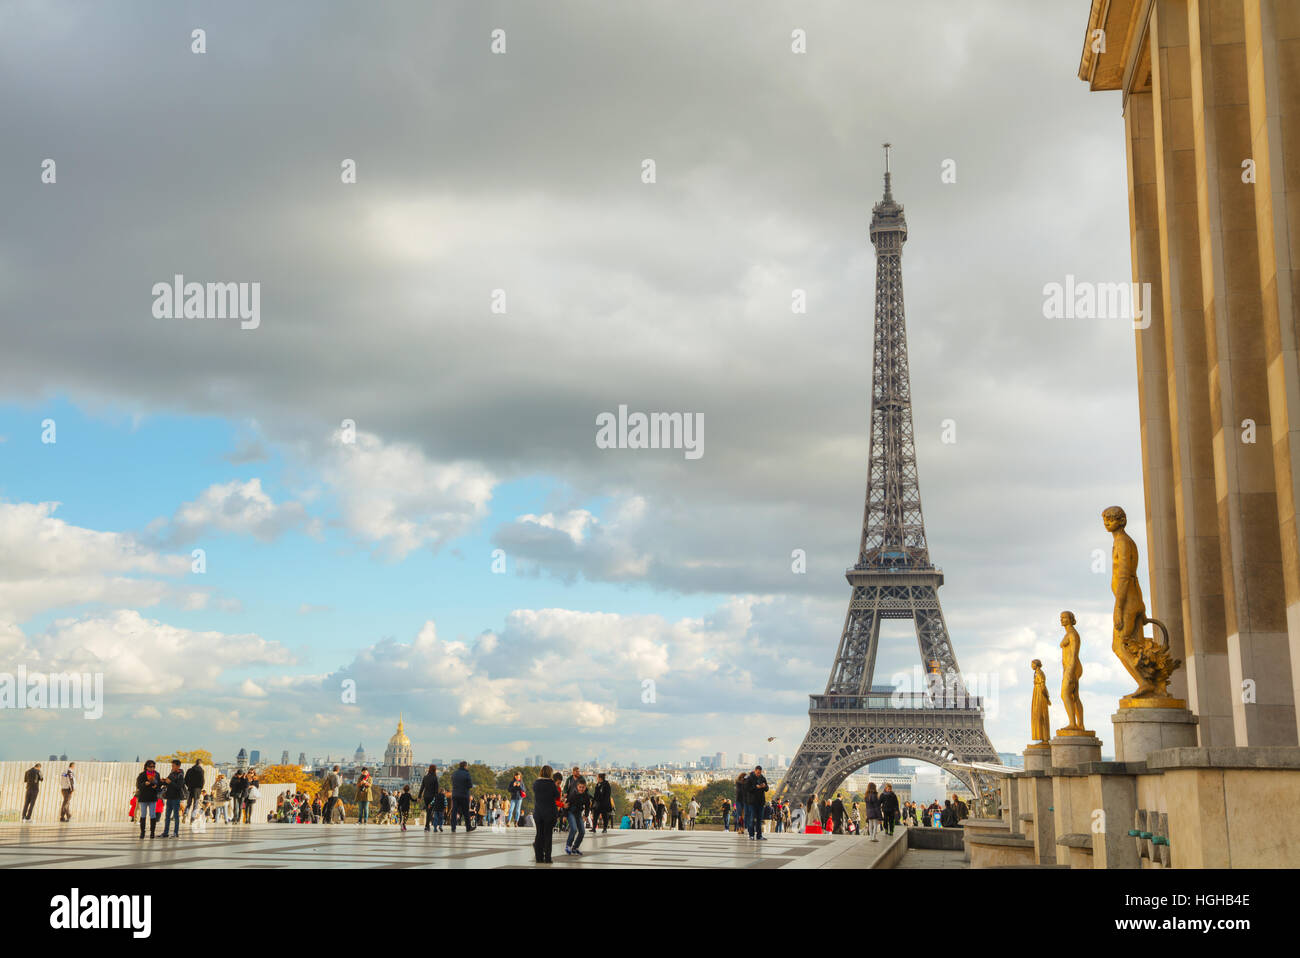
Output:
[[428, 793], [889, 808], [148, 784], [238, 787], [173, 795], [948, 817], [194, 782], [461, 783], [545, 811], [755, 799], [837, 816], [742, 801], [577, 805], [871, 802], [32, 779], [602, 804]]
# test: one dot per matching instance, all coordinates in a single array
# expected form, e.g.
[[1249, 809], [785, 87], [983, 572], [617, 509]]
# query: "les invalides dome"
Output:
[[399, 757]]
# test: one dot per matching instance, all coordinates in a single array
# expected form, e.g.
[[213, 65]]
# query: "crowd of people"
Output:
[[879, 811], [571, 805]]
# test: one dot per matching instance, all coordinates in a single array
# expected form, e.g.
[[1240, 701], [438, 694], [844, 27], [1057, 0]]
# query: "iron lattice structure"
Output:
[[854, 724]]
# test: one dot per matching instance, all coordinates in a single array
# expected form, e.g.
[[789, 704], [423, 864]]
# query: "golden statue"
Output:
[[1147, 660], [1071, 669], [1039, 718]]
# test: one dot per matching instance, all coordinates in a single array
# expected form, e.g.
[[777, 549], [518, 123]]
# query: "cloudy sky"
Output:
[[335, 554]]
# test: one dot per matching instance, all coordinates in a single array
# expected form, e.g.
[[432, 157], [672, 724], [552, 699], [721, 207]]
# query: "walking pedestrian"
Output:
[[404, 806], [871, 802], [194, 782], [461, 783], [428, 792]]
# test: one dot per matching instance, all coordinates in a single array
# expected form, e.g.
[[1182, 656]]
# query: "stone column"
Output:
[[1175, 104], [1250, 547], [1271, 34], [1152, 368]]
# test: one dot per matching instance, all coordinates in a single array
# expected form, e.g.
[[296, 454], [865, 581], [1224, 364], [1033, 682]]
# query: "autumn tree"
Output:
[[188, 758], [290, 775]]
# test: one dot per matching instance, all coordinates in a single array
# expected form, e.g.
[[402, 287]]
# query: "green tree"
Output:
[[621, 804], [531, 773], [712, 796], [483, 778]]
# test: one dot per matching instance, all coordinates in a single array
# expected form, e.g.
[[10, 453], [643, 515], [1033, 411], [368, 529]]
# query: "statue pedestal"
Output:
[[1038, 758], [1141, 731], [1072, 749]]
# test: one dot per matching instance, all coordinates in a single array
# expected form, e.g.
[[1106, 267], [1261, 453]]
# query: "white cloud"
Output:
[[46, 563], [236, 508], [393, 496], [140, 656]]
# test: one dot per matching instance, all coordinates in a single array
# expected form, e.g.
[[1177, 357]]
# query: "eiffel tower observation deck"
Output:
[[855, 723]]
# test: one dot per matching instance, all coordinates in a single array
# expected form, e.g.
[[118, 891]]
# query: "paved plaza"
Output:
[[385, 846]]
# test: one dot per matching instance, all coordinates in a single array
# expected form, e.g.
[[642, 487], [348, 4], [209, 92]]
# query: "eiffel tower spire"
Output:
[[855, 723], [893, 531]]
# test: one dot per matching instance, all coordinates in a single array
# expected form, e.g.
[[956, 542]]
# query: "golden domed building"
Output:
[[399, 757]]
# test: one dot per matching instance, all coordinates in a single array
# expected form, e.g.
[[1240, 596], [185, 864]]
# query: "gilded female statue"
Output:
[[1039, 717], [1071, 669]]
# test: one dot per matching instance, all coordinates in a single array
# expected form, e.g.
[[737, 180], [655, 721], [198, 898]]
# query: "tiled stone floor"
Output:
[[375, 846]]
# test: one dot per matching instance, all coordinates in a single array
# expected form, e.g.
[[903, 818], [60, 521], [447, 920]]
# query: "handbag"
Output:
[[253, 794]]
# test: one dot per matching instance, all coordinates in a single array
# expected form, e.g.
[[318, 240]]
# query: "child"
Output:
[[440, 802], [404, 805]]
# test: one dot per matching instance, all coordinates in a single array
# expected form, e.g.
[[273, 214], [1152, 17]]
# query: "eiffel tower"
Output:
[[855, 723]]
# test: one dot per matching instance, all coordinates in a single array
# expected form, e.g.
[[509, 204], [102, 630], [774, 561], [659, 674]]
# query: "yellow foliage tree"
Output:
[[187, 758], [290, 775]]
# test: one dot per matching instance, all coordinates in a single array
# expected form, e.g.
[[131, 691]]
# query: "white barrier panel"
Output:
[[102, 795]]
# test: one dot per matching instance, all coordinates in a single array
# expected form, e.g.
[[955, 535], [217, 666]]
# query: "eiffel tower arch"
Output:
[[855, 723]]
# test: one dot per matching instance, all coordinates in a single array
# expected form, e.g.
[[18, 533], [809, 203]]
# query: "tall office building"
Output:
[[284, 757], [254, 757]]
